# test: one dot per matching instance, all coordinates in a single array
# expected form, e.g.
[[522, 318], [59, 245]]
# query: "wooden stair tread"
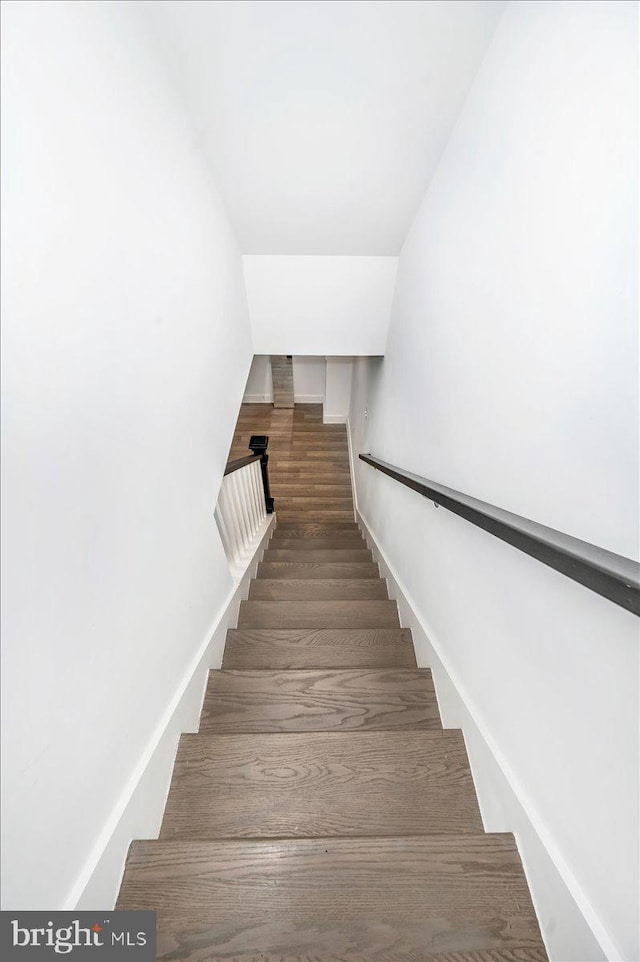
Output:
[[313, 503], [320, 488], [308, 589], [328, 534], [404, 899], [313, 528], [312, 507], [303, 478], [318, 614], [294, 463], [319, 700], [321, 783], [319, 512], [319, 648], [271, 570], [313, 531], [303, 462], [330, 554], [326, 514], [350, 543], [300, 448]]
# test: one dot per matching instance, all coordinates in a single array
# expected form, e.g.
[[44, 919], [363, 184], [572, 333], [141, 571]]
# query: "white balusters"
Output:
[[255, 475], [241, 514]]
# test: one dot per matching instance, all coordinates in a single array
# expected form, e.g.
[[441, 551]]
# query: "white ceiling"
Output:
[[323, 120]]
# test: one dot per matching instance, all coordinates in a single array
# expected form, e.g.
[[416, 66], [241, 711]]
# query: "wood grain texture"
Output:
[[304, 475], [287, 569], [369, 699], [321, 489], [404, 899], [333, 554], [322, 589], [313, 454], [177, 940], [317, 445], [319, 783], [304, 532], [283, 542], [315, 503], [328, 514], [318, 614], [302, 462], [319, 648], [312, 529]]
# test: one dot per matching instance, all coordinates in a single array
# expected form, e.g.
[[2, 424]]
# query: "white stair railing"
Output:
[[241, 512]]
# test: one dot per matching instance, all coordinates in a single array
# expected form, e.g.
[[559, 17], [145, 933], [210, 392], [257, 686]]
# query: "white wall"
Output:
[[338, 390], [308, 380], [319, 305], [259, 386], [511, 374], [126, 347]]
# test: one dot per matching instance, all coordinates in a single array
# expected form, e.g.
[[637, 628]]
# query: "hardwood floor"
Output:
[[322, 813]]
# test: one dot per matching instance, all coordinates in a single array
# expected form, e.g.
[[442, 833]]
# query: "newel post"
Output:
[[258, 445]]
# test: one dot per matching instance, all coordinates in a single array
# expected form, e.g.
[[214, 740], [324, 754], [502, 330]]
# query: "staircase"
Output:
[[322, 812]]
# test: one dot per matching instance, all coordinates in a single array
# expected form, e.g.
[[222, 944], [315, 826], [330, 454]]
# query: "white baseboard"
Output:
[[308, 398], [138, 812], [571, 928], [334, 418], [257, 399]]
